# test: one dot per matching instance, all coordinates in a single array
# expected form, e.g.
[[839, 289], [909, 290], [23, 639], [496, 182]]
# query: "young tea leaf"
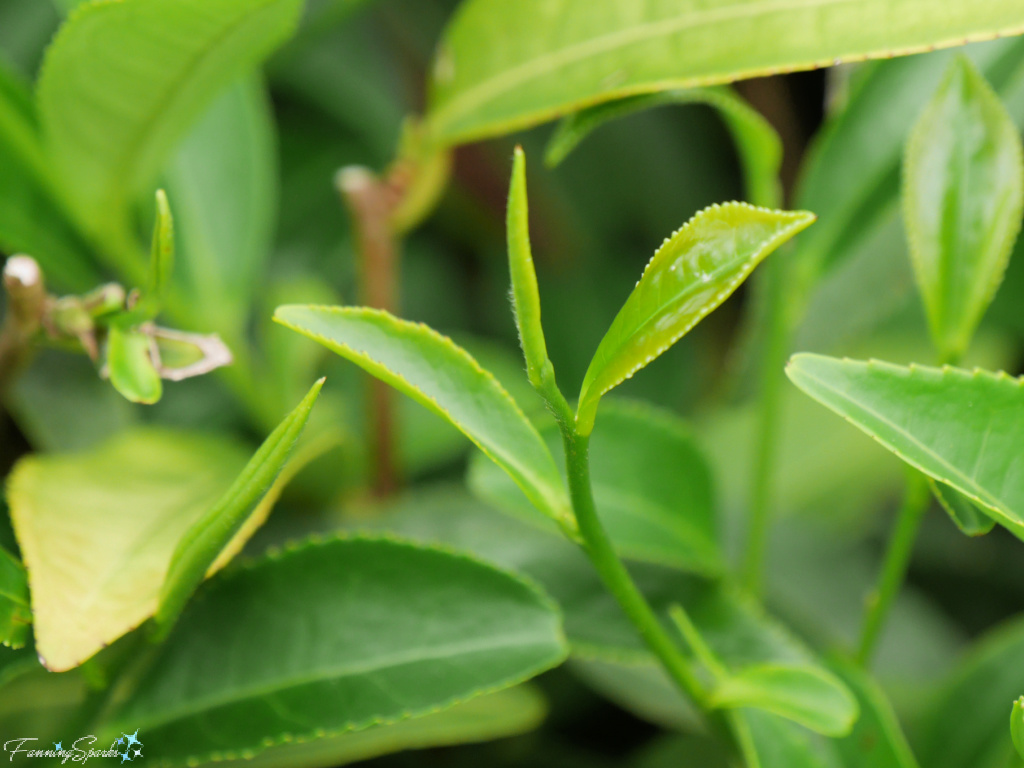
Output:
[[806, 695], [963, 199], [130, 364], [1017, 726], [693, 272], [525, 295], [444, 378], [388, 631], [503, 66], [758, 144], [962, 428], [203, 543], [161, 267], [965, 514], [15, 614]]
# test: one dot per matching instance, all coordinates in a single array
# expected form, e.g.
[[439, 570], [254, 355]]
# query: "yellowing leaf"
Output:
[[693, 272]]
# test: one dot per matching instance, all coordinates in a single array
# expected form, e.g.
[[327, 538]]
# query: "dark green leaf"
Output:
[[15, 614], [965, 514], [387, 631]]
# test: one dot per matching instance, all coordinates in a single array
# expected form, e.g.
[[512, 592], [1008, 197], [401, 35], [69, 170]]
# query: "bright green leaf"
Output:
[[965, 514], [444, 378], [652, 486], [111, 120], [525, 294], [1017, 726], [130, 365], [15, 614], [963, 199], [806, 695], [693, 272], [376, 649], [770, 741], [497, 715], [759, 146], [503, 66], [962, 428], [161, 267], [208, 536]]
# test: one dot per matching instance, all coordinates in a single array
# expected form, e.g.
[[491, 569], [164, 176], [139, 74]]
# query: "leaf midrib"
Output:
[[197, 706]]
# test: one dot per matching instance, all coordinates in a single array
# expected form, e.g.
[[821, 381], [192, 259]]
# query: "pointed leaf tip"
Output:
[[693, 272]]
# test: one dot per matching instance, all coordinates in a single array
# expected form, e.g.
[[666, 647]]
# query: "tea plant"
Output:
[[716, 576]]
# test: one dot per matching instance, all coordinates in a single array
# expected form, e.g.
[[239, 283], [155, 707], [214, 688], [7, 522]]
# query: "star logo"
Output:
[[57, 745], [132, 746]]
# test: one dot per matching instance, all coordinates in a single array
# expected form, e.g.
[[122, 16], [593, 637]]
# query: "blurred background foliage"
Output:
[[254, 199]]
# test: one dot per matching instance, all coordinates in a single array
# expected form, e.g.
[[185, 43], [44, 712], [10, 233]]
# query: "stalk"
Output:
[[897, 559]]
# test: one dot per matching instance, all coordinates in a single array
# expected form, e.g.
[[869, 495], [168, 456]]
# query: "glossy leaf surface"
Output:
[[652, 486], [110, 120], [693, 272], [444, 378], [759, 146], [504, 66], [963, 199], [207, 538], [130, 365], [806, 695], [971, 519], [962, 428], [389, 631], [15, 613]]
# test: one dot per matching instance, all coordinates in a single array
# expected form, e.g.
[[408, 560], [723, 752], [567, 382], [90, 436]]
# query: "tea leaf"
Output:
[[759, 146], [652, 486], [963, 199], [504, 66], [375, 649], [689, 276], [525, 294], [966, 725], [1017, 726], [130, 364], [961, 428], [770, 741], [111, 120], [161, 267], [444, 378], [206, 539], [509, 712], [811, 697], [15, 614], [964, 513], [877, 741], [97, 530]]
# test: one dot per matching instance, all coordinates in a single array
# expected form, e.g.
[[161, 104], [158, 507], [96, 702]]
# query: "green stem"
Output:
[[614, 574], [897, 559], [773, 361]]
